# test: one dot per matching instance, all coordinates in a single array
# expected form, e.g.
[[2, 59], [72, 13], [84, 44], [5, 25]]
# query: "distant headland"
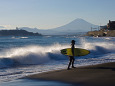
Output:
[[18, 32], [104, 31]]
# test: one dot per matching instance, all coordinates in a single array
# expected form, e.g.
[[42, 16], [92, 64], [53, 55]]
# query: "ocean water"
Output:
[[23, 56]]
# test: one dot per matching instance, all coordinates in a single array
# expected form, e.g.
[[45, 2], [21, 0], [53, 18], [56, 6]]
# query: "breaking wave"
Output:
[[35, 54]]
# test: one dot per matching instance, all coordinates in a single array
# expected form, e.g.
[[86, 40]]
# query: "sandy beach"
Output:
[[94, 75]]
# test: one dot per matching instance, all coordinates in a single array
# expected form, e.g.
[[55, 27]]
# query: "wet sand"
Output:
[[94, 75]]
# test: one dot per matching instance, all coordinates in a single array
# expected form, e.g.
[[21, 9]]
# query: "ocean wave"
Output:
[[31, 55], [35, 54]]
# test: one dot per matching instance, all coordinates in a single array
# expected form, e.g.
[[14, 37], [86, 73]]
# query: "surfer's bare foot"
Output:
[[73, 67]]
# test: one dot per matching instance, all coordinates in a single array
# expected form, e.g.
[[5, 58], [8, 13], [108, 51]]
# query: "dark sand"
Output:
[[95, 75]]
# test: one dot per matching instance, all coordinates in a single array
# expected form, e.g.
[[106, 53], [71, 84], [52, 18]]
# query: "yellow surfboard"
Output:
[[77, 52]]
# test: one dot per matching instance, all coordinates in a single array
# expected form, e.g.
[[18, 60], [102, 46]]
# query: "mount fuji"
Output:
[[76, 26]]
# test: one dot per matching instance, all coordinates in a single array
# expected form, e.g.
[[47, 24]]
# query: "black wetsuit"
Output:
[[71, 58]]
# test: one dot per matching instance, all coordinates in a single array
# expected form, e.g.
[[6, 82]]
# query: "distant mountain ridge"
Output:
[[77, 25]]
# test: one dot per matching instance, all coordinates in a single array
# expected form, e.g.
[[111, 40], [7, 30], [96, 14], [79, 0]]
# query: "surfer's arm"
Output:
[[73, 52], [72, 48]]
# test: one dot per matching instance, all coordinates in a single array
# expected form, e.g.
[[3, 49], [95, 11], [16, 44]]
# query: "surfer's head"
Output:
[[73, 41]]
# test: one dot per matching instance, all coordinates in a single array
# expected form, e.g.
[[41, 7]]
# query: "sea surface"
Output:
[[23, 56]]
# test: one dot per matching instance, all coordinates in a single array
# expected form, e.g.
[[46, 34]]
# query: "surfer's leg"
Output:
[[70, 62], [73, 62]]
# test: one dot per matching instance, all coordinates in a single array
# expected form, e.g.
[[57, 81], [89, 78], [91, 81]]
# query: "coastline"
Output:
[[110, 33], [93, 75]]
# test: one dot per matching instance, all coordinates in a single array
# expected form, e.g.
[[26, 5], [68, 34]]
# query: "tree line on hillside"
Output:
[[17, 33]]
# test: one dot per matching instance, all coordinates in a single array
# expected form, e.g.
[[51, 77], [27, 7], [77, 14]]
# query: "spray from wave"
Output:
[[102, 47], [31, 55], [35, 54]]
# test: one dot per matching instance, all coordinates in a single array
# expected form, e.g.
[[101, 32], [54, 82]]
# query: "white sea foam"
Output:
[[42, 54], [32, 54]]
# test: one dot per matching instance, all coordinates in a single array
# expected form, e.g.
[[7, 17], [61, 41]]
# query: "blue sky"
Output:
[[46, 14]]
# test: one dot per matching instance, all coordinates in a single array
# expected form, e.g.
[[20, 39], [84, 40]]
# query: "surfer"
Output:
[[71, 58]]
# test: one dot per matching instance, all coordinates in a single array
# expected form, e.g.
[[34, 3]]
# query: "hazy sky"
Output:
[[46, 14]]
